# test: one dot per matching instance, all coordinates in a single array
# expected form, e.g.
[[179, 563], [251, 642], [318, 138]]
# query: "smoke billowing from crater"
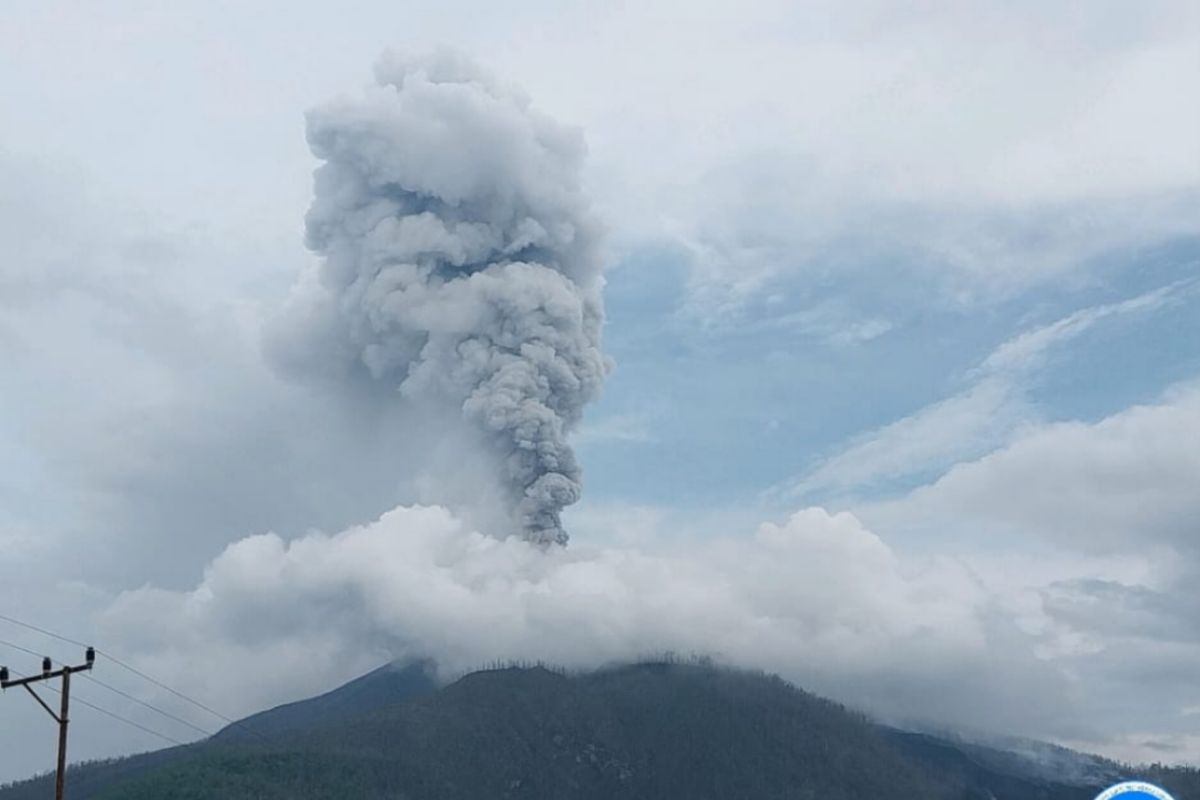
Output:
[[459, 264]]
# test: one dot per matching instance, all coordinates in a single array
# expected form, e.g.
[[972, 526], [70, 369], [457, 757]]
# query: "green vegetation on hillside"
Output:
[[658, 731], [651, 731]]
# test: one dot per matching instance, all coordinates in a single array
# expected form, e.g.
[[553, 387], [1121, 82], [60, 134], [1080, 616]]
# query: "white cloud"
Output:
[[981, 417], [962, 425], [1007, 141], [981, 152], [818, 598], [1087, 530], [1125, 483], [1029, 350]]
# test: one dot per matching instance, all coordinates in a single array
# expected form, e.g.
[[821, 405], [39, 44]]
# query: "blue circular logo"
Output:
[[1134, 790]]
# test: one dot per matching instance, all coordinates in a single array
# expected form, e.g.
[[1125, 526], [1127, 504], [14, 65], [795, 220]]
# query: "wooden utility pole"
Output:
[[61, 717]]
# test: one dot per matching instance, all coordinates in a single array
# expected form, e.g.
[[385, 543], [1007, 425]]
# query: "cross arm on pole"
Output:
[[58, 673]]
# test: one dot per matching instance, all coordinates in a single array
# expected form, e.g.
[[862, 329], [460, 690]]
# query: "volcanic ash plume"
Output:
[[459, 263]]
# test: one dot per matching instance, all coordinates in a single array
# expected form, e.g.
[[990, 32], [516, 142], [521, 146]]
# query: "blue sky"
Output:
[[716, 414], [934, 267]]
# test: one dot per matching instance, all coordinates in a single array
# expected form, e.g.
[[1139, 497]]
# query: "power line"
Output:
[[113, 714], [162, 685], [41, 630], [119, 663], [115, 660], [137, 725], [22, 649], [115, 690], [235, 723], [142, 702]]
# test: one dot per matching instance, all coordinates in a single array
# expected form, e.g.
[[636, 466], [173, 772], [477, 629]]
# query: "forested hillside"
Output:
[[657, 730]]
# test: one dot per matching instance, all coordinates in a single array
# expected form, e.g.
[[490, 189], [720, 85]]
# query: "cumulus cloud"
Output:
[[1128, 634], [818, 598], [1111, 507], [1125, 483], [459, 265]]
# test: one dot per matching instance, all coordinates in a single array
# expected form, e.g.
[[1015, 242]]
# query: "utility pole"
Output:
[[61, 717]]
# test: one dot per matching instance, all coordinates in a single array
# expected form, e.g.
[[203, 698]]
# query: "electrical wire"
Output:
[[162, 685], [142, 702], [112, 714], [137, 725], [109, 656], [51, 634], [115, 660], [22, 649]]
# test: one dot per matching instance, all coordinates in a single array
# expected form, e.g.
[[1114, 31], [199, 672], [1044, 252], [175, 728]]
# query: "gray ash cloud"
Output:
[[459, 263]]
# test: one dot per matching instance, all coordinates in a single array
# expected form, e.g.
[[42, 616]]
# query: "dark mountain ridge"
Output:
[[389, 685], [653, 730]]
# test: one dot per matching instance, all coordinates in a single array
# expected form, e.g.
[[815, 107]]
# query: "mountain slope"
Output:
[[386, 686], [977, 778], [649, 731], [657, 731]]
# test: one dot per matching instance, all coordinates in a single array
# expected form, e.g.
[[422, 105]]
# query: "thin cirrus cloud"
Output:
[[981, 417]]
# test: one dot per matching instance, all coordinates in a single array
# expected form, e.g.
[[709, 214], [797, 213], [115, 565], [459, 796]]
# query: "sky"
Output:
[[902, 313]]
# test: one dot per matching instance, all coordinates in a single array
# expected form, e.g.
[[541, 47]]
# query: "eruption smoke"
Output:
[[460, 263]]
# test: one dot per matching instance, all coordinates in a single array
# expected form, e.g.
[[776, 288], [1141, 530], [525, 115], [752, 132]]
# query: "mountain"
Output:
[[1032, 759], [970, 770], [657, 730], [386, 686], [652, 730]]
